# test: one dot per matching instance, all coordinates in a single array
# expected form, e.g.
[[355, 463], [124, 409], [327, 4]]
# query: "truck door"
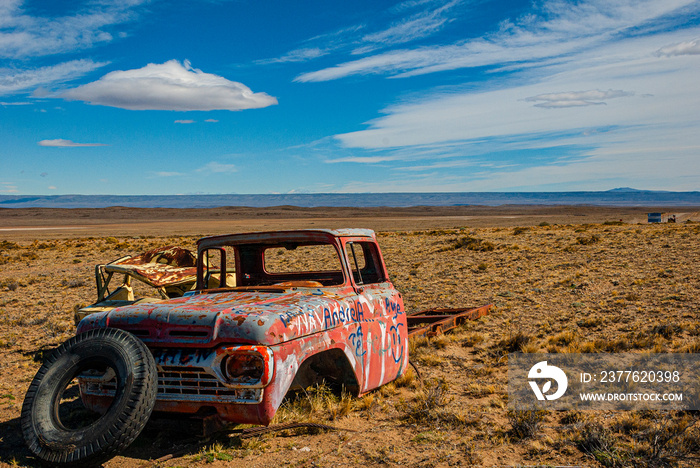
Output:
[[384, 326]]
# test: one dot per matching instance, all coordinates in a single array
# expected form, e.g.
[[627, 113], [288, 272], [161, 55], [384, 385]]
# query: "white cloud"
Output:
[[647, 165], [8, 187], [169, 174], [303, 54], [363, 159], [52, 187], [211, 121], [218, 168], [649, 168], [576, 98], [61, 143], [187, 121], [468, 115], [560, 29], [432, 16], [417, 26], [333, 41], [168, 86], [13, 80], [681, 48], [24, 35], [647, 135]]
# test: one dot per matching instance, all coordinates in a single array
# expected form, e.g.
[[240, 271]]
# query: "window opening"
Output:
[[357, 271], [214, 264], [293, 262], [364, 262]]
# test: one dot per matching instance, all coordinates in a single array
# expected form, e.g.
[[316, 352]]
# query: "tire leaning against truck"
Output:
[[133, 370]]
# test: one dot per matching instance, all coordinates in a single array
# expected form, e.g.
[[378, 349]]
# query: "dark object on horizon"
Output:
[[661, 218]]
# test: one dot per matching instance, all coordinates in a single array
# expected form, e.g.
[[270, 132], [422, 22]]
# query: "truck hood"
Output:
[[232, 317]]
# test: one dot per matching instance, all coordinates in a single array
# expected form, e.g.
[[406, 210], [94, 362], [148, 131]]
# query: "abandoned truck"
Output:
[[269, 312]]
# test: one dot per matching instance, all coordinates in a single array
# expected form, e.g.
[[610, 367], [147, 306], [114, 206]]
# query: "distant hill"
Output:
[[616, 197], [625, 190], [634, 190]]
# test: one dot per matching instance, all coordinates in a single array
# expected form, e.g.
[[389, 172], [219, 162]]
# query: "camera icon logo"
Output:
[[542, 370]]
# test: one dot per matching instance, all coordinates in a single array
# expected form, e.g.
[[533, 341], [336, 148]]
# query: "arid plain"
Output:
[[562, 279]]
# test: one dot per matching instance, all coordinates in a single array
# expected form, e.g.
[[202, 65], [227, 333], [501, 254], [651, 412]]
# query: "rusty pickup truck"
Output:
[[269, 312]]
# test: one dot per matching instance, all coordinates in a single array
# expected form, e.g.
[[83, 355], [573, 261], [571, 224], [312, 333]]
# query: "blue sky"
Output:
[[182, 97]]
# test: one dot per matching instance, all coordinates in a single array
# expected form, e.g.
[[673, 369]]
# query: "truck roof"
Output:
[[291, 235]]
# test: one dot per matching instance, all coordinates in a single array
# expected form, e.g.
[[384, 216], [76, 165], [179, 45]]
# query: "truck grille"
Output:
[[194, 383], [176, 383]]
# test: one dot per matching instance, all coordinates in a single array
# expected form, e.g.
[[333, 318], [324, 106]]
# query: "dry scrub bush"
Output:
[[213, 453], [424, 408], [472, 339], [669, 441], [563, 338], [430, 360], [440, 341], [229, 449], [407, 379], [593, 239], [367, 404], [478, 390], [514, 343], [666, 330], [651, 439], [10, 283], [590, 322], [693, 347], [471, 456], [429, 407], [655, 339], [318, 402], [74, 283], [420, 349], [7, 245], [469, 243], [525, 424], [597, 442]]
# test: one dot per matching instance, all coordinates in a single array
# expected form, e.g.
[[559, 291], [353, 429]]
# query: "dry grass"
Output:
[[652, 439], [565, 288], [315, 404]]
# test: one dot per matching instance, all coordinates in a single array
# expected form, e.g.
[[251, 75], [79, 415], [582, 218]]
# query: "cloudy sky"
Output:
[[183, 97]]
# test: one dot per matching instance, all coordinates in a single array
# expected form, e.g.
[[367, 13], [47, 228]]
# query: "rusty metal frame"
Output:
[[157, 268], [431, 322]]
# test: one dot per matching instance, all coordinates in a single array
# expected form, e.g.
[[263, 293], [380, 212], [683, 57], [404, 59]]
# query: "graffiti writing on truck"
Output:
[[396, 342], [357, 338], [328, 319], [392, 306], [397, 347], [343, 315]]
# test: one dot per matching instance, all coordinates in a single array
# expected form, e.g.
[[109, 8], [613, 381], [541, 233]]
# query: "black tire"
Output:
[[136, 381]]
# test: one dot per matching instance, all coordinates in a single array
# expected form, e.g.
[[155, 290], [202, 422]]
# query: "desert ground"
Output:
[[562, 279]]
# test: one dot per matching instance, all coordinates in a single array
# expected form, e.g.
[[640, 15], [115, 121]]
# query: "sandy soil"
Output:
[[572, 279], [44, 223]]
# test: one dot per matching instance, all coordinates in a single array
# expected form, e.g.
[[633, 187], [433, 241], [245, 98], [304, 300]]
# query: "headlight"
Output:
[[250, 366], [246, 368]]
